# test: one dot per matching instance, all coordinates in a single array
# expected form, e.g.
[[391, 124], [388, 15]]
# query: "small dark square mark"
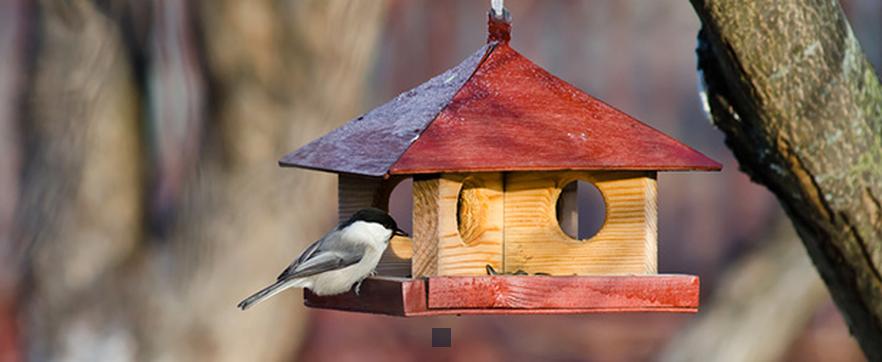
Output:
[[440, 337]]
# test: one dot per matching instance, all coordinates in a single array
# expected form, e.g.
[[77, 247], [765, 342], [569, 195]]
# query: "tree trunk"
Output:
[[14, 30], [801, 108], [200, 100], [80, 200]]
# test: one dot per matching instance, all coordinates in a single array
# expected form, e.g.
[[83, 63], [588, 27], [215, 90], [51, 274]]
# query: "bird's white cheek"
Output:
[[368, 232]]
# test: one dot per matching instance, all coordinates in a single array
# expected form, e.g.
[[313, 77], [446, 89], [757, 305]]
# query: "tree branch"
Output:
[[801, 108]]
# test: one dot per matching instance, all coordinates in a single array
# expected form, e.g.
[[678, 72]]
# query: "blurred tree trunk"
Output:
[[190, 104], [13, 34], [801, 108], [80, 199], [761, 306]]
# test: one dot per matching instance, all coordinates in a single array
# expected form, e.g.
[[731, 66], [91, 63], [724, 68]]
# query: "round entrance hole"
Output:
[[580, 210], [471, 210], [401, 205]]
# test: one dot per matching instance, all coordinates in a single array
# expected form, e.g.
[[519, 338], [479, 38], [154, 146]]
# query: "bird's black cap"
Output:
[[375, 215]]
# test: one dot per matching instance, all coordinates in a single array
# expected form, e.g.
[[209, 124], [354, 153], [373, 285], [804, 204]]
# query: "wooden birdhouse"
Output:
[[490, 145]]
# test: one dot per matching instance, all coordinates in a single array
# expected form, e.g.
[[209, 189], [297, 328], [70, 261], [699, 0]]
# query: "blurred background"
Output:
[[140, 198]]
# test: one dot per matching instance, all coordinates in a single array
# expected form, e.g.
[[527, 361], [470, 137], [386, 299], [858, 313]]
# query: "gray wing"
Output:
[[325, 254]]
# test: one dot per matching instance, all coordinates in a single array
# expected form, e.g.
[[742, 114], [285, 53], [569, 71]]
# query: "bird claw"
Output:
[[490, 270], [358, 287], [358, 284]]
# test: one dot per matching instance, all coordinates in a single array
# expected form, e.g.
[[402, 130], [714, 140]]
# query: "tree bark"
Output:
[[283, 73], [801, 108], [14, 30], [80, 202]]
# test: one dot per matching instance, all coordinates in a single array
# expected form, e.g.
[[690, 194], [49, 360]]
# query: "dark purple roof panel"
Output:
[[369, 145]]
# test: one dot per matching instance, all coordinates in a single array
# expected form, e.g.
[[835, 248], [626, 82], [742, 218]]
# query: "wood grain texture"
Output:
[[425, 225], [357, 192], [801, 108], [626, 244], [437, 296], [650, 222], [512, 115], [476, 200], [458, 223], [545, 292], [568, 209]]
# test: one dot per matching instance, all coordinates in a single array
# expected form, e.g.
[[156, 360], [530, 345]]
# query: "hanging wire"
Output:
[[498, 7]]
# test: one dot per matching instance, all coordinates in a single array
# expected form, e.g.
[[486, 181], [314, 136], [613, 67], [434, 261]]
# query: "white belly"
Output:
[[340, 281]]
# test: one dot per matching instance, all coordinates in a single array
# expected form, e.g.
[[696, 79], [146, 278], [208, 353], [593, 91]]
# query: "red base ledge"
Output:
[[517, 295]]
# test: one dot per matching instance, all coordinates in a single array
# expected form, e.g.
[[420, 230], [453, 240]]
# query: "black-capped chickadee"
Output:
[[340, 259]]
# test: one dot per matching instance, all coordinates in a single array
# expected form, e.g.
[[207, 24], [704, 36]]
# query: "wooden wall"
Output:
[[464, 222]]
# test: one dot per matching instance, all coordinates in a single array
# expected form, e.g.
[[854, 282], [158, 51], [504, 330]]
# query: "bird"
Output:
[[344, 257]]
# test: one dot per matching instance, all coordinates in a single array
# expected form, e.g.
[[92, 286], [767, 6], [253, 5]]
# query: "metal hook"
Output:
[[498, 7]]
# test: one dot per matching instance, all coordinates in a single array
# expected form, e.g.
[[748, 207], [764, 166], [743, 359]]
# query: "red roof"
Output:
[[497, 111]]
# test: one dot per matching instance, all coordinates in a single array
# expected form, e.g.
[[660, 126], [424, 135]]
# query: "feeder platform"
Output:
[[516, 294]]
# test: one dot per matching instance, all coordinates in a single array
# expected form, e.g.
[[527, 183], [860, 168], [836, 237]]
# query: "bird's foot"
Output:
[[358, 287]]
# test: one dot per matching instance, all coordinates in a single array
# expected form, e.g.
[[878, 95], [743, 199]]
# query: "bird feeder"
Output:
[[490, 145]]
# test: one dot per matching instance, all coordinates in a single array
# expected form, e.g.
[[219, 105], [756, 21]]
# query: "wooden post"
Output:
[[357, 192], [568, 209], [425, 225], [626, 244], [458, 222]]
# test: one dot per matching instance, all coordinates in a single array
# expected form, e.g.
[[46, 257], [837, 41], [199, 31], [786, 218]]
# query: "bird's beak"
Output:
[[400, 232]]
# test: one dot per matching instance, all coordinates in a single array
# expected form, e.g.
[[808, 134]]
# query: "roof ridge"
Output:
[[514, 115], [491, 46]]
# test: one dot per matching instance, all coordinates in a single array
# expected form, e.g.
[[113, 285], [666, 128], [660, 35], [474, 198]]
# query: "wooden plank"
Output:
[[650, 222], [568, 209], [458, 222], [425, 226], [479, 311], [535, 243], [546, 292], [357, 192], [517, 295], [472, 210], [378, 295]]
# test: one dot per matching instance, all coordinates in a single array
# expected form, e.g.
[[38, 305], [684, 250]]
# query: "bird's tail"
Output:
[[267, 292]]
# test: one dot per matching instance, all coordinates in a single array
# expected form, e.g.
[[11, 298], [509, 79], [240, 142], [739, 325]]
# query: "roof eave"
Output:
[[677, 168]]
